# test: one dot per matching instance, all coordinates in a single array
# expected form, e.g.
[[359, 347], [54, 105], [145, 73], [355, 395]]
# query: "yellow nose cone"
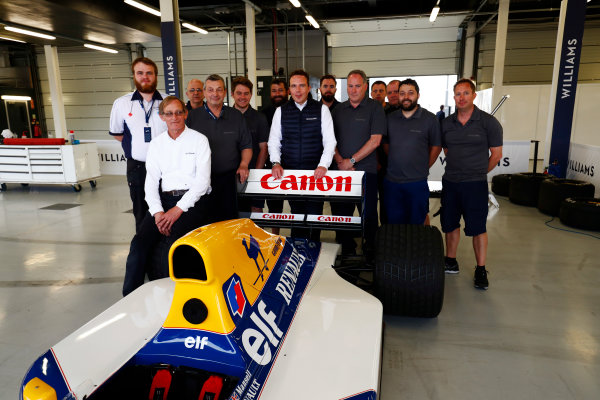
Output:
[[37, 389]]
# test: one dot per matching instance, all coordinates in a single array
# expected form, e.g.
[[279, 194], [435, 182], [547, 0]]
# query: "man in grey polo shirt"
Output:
[[359, 124], [413, 143], [472, 141], [230, 144]]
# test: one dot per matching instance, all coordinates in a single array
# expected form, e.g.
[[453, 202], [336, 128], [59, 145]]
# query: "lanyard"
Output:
[[149, 112]]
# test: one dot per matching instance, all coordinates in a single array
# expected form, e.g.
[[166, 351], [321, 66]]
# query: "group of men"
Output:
[[185, 177]]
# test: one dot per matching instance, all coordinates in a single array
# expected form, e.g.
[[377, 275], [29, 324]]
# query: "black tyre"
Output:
[[77, 187], [501, 184], [525, 188], [409, 270], [2, 187], [581, 213], [554, 191]]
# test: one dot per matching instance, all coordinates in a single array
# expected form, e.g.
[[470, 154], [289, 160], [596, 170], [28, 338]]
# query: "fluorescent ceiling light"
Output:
[[16, 98], [143, 6], [30, 33], [194, 28], [11, 39], [295, 3], [95, 47], [312, 21], [434, 13]]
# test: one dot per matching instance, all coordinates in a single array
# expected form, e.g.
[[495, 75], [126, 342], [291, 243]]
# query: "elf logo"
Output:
[[263, 338]]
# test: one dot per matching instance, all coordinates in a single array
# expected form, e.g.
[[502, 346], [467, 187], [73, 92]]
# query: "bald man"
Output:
[[195, 92]]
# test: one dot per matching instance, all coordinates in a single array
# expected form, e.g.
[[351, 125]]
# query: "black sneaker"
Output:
[[451, 268], [481, 280]]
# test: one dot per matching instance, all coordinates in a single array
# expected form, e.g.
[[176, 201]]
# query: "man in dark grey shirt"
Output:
[[472, 141], [359, 125], [413, 143], [230, 144]]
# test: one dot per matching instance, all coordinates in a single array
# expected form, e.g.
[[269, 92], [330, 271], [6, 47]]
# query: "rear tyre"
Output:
[[409, 270], [501, 184], [554, 191], [581, 213], [525, 188]]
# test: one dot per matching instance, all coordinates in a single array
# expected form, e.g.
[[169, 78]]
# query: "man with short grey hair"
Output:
[[230, 144], [359, 125]]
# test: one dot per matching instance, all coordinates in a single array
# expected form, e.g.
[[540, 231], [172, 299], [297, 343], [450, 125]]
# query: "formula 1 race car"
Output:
[[247, 314], [244, 315]]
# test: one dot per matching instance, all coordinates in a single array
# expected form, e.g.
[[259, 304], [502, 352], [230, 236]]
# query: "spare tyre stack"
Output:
[[581, 213], [525, 188], [554, 191], [501, 184]]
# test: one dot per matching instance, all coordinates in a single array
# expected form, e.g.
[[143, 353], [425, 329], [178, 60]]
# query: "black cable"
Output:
[[569, 230]]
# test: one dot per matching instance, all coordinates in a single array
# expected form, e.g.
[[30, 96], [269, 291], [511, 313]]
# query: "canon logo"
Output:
[[305, 182], [278, 216], [333, 218]]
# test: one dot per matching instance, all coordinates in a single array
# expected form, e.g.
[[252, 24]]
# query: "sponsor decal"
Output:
[[253, 251], [195, 343], [333, 218], [260, 335], [305, 182], [235, 297], [264, 327], [335, 183], [287, 283]]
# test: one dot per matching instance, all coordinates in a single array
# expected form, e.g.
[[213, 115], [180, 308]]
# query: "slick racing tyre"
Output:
[[525, 188], [409, 270], [554, 191], [581, 213], [501, 184]]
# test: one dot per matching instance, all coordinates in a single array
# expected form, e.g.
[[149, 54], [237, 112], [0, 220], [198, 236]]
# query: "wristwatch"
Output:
[[352, 161], [276, 163]]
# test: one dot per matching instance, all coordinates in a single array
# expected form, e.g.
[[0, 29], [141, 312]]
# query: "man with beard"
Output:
[[177, 181], [393, 103], [328, 88], [279, 96], [302, 137], [413, 143], [134, 121], [359, 125], [195, 92], [378, 92], [230, 144]]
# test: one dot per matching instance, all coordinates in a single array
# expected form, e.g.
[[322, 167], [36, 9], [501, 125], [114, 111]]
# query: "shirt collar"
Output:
[[475, 116], [417, 113], [138, 96], [213, 116]]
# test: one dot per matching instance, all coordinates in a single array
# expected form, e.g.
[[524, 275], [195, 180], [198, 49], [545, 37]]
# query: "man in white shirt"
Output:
[[134, 121], [302, 137], [177, 180]]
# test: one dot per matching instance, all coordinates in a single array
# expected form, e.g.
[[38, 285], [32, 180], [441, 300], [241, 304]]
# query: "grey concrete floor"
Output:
[[535, 334]]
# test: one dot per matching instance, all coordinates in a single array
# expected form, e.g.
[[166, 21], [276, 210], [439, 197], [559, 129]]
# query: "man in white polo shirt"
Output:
[[134, 121], [177, 180]]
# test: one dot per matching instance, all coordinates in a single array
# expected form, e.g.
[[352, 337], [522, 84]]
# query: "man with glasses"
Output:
[[134, 121], [177, 181], [195, 94], [230, 144]]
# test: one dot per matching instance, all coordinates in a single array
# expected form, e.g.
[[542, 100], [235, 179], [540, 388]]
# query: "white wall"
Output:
[[524, 116], [91, 81]]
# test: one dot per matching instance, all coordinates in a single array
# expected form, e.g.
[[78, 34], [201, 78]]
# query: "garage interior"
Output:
[[534, 335]]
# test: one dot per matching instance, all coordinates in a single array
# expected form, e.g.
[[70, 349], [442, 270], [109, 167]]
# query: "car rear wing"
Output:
[[335, 186]]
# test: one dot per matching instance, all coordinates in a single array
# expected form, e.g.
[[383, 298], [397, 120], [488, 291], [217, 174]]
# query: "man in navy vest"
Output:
[[302, 138]]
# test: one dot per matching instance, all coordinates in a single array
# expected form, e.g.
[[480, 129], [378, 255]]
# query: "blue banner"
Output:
[[566, 88], [169, 51]]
